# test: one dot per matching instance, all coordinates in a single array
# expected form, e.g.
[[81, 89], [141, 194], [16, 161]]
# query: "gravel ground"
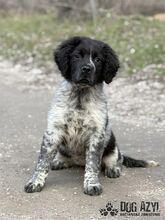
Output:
[[139, 100], [23, 121]]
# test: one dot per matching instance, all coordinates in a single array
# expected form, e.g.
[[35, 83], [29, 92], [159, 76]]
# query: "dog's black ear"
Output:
[[111, 64], [62, 55]]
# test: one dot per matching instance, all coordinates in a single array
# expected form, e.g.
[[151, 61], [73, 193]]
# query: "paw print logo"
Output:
[[114, 212], [109, 206], [103, 212], [109, 210]]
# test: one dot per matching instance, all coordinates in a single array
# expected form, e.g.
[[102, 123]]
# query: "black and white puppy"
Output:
[[78, 130]]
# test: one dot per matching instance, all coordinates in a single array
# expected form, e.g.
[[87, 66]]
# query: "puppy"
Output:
[[79, 131]]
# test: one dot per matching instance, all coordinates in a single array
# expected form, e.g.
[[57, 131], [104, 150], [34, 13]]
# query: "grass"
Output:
[[139, 41]]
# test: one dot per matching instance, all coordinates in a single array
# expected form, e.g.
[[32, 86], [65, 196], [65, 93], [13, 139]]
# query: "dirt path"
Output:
[[23, 119]]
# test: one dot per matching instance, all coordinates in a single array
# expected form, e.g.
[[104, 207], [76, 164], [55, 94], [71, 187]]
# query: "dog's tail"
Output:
[[131, 162]]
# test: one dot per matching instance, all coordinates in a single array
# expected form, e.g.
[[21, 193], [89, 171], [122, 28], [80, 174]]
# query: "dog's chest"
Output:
[[78, 128], [77, 117]]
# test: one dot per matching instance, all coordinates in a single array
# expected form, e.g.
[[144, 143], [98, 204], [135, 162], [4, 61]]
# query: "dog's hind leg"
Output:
[[112, 159], [60, 162]]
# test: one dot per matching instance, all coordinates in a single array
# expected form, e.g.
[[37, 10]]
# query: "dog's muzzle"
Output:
[[85, 75], [86, 69], [84, 81]]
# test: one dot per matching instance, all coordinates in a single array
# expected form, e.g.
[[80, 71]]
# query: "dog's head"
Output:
[[86, 61]]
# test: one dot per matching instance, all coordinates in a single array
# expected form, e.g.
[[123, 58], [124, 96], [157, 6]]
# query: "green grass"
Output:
[[139, 41]]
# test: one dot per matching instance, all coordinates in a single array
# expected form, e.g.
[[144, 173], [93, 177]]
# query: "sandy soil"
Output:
[[136, 107], [23, 120]]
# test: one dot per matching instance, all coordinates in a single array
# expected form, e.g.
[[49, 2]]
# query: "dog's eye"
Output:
[[77, 56], [97, 59]]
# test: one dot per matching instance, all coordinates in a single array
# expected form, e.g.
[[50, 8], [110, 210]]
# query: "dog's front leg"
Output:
[[94, 154], [48, 148]]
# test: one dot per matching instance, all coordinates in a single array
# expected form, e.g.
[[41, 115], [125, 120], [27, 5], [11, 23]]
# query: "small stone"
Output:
[[132, 50]]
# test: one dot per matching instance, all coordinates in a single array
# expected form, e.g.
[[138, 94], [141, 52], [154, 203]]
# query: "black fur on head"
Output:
[[111, 63], [62, 55], [86, 61]]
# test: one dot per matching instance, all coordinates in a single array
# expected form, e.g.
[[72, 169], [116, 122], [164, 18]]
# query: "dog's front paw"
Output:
[[32, 187], [113, 172], [93, 189]]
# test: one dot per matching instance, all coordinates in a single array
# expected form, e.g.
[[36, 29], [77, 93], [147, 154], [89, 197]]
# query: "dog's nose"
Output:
[[86, 69]]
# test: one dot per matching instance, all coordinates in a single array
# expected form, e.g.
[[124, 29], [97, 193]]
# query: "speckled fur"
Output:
[[79, 130]]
